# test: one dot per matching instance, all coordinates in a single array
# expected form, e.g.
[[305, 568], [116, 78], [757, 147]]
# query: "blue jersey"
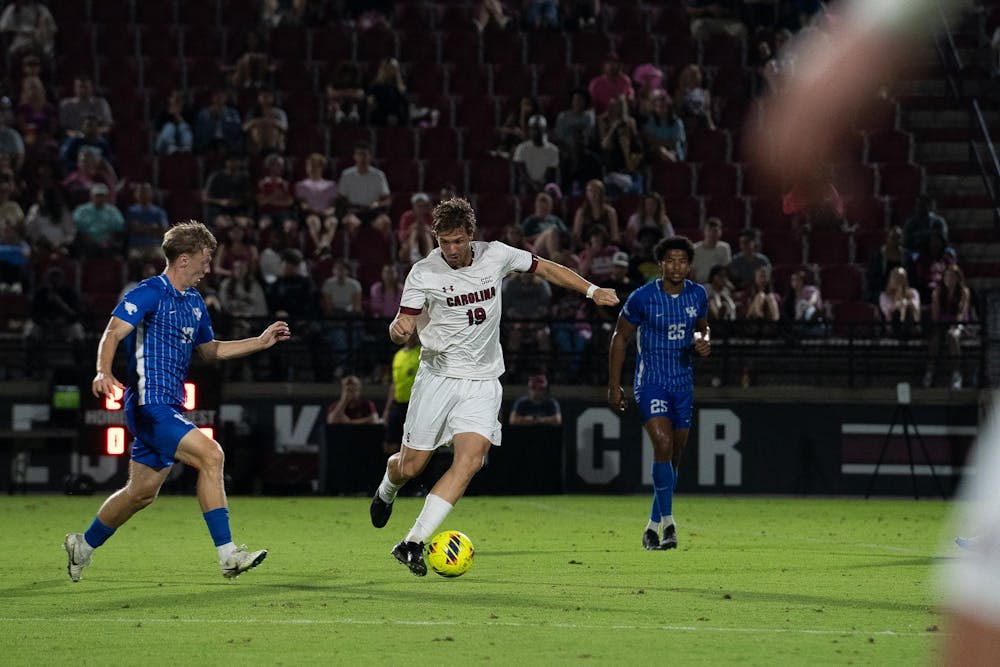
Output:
[[168, 325], [665, 333]]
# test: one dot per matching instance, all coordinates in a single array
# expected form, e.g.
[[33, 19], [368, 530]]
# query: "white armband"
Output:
[[590, 291]]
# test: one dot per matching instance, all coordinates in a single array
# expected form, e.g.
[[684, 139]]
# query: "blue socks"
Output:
[[98, 533], [218, 525], [663, 491]]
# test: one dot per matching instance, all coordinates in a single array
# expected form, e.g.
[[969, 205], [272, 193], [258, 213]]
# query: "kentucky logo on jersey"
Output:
[[188, 334], [197, 313], [691, 311], [131, 308]]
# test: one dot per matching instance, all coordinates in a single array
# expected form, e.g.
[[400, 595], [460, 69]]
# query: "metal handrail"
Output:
[[990, 172]]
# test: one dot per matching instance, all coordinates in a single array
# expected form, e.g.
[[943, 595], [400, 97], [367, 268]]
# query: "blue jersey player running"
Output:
[[669, 314], [162, 321]]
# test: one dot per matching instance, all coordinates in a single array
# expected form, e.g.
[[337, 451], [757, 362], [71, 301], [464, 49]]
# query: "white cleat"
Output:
[[240, 561], [74, 545]]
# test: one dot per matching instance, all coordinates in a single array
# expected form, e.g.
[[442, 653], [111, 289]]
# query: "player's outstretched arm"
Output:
[[624, 331], [217, 350], [557, 274], [104, 381]]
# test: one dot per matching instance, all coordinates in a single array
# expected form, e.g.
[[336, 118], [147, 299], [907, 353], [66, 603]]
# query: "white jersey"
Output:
[[459, 323]]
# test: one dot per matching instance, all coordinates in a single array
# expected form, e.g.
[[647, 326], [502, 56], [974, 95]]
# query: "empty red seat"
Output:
[[637, 47], [177, 172], [513, 79], [557, 79], [344, 137], [732, 211], [469, 79], [305, 137], [333, 43], [684, 211], [460, 47], [419, 46], [718, 178], [706, 145], [159, 14], [475, 111], [768, 215], [197, 13], [678, 50], [781, 248], [288, 42], [829, 247], [402, 173], [867, 243], [503, 46], [490, 174], [116, 12], [840, 282], [627, 18], [671, 19], [412, 16], [590, 47], [853, 179], [866, 212], [183, 204], [721, 49], [376, 44], [671, 178], [855, 318], [163, 73], [371, 251], [494, 211], [424, 79], [439, 143], [439, 172], [890, 146], [545, 47], [157, 41], [102, 275], [901, 179]]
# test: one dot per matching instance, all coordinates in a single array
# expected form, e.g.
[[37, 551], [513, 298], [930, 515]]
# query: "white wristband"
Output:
[[590, 291]]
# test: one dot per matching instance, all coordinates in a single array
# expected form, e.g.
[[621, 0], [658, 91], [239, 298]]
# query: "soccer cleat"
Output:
[[380, 511], [240, 561], [669, 540], [651, 540], [956, 380], [73, 544], [411, 554]]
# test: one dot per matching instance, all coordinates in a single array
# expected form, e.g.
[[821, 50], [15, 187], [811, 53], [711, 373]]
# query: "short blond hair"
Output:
[[187, 238]]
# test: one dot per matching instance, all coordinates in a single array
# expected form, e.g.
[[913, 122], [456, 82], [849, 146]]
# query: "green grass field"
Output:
[[557, 580]]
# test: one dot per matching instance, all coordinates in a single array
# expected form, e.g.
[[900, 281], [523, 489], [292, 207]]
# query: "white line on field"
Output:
[[515, 624]]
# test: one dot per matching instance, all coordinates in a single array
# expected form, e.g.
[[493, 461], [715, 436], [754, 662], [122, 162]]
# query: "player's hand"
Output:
[[278, 331], [702, 346], [104, 385], [616, 397], [402, 328], [605, 296]]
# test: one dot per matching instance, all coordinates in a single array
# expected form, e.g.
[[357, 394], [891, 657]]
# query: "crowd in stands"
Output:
[[315, 137]]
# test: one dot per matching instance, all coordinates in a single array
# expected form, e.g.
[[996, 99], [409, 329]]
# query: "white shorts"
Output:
[[441, 406]]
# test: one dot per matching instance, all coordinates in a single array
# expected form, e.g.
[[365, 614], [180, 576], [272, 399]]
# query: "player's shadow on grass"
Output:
[[921, 561], [799, 598]]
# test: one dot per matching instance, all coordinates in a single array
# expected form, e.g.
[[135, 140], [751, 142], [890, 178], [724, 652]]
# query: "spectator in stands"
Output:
[[29, 26], [621, 149], [35, 116], [242, 298], [892, 254], [55, 313], [803, 302], [11, 143], [290, 296], [710, 252], [692, 99], [610, 84], [650, 80], [595, 258], [91, 138], [388, 102], [228, 190], [218, 127], [922, 223], [414, 234], [15, 254], [747, 261], [31, 65], [515, 128], [274, 193], [573, 134], [541, 14], [537, 407], [663, 131], [11, 213], [487, 11], [265, 126], [595, 210], [619, 281], [814, 203], [316, 194], [643, 266], [274, 13], [536, 161], [275, 242], [721, 306], [928, 266], [366, 191], [763, 302], [235, 250], [173, 126], [84, 103], [715, 17], [91, 169], [370, 13], [571, 332], [100, 227], [48, 223], [253, 67], [651, 214], [899, 303], [345, 95], [526, 299], [950, 311], [385, 294], [351, 407], [136, 275], [448, 191], [543, 229], [340, 299], [147, 223]]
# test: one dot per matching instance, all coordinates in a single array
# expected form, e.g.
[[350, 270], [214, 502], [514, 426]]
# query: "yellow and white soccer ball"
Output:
[[450, 553]]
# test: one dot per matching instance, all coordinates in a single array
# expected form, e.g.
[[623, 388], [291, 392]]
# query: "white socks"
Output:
[[435, 510], [653, 526], [225, 551], [387, 490], [666, 521]]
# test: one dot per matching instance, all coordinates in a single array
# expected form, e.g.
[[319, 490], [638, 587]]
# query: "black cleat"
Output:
[[651, 540], [669, 540], [380, 511], [411, 554]]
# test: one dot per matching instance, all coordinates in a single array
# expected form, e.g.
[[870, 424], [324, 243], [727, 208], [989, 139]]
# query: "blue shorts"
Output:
[[673, 404], [156, 432]]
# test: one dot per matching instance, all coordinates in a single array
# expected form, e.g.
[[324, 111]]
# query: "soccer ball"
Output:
[[450, 553]]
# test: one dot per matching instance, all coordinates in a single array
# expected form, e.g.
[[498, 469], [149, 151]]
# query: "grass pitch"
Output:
[[557, 580]]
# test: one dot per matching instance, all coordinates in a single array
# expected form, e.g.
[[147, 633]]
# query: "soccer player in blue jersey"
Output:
[[669, 314], [162, 321]]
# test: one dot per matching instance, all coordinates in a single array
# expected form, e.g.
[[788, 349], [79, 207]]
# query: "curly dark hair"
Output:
[[674, 243], [452, 214]]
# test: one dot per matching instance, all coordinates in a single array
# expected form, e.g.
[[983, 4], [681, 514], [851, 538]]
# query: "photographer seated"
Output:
[[536, 407]]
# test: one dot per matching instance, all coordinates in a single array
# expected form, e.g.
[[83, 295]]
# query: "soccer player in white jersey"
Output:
[[162, 321], [670, 316], [451, 298]]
